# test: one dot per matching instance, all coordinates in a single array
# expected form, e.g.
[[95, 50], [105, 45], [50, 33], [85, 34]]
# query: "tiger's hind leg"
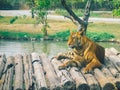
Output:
[[70, 63]]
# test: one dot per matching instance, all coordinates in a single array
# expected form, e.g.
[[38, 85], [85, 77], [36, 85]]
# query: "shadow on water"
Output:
[[51, 48]]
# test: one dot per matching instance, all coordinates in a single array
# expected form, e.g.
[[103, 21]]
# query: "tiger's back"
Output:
[[94, 49]]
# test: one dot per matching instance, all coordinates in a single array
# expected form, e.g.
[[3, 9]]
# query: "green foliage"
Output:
[[43, 4], [116, 12], [62, 36], [4, 34], [40, 9], [99, 36], [116, 7], [13, 19]]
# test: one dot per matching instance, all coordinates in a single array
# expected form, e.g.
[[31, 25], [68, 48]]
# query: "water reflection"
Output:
[[22, 47], [48, 47]]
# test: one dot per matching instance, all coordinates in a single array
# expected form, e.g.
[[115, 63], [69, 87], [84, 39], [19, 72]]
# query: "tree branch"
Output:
[[71, 18], [82, 24], [74, 16]]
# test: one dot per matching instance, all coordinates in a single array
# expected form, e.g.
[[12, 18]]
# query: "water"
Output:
[[11, 48]]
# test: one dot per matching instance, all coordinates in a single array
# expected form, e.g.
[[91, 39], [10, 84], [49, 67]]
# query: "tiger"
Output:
[[85, 53]]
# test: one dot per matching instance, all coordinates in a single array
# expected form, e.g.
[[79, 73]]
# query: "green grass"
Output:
[[26, 25], [60, 36], [6, 34], [19, 20], [111, 28]]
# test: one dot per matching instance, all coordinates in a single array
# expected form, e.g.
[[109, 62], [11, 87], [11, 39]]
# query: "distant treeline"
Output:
[[74, 4]]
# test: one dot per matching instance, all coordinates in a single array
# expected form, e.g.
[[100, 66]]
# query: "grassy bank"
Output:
[[59, 36], [24, 27], [14, 35]]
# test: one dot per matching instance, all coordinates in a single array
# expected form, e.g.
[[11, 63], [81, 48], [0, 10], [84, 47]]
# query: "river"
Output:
[[51, 48]]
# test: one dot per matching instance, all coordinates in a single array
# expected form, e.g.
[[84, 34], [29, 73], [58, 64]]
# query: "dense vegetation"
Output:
[[59, 36]]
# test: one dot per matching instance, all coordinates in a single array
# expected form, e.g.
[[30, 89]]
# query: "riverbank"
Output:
[[59, 36], [24, 28]]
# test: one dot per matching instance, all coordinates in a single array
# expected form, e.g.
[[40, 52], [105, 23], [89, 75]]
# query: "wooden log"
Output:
[[50, 73], [117, 83], [18, 80], [111, 78], [80, 81], [114, 51], [28, 72], [2, 81], [9, 74], [116, 61], [38, 72], [65, 78], [115, 57], [2, 63], [107, 52], [92, 82], [104, 82], [112, 68]]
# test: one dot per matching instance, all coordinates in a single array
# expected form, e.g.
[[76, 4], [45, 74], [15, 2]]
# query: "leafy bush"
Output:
[[60, 36], [92, 35], [99, 36], [63, 36], [116, 12], [18, 35]]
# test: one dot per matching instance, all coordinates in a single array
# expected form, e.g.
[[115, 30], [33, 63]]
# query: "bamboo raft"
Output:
[[37, 72]]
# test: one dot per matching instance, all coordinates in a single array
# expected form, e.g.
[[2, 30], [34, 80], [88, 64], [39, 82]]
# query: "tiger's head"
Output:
[[76, 40]]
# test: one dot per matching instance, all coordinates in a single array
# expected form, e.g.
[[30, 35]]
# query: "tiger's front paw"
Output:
[[61, 67], [87, 70]]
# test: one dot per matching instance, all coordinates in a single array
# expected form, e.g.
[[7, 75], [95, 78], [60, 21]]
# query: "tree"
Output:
[[116, 7], [39, 8], [81, 23]]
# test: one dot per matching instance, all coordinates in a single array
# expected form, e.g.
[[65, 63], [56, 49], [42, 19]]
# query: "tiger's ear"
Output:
[[72, 32], [81, 32]]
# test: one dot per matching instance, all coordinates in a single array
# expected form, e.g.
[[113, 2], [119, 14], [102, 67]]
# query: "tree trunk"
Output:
[[81, 23]]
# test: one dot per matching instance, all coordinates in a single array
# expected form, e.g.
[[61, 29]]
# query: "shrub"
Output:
[[99, 36], [116, 12], [60, 36], [18, 35], [63, 36]]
